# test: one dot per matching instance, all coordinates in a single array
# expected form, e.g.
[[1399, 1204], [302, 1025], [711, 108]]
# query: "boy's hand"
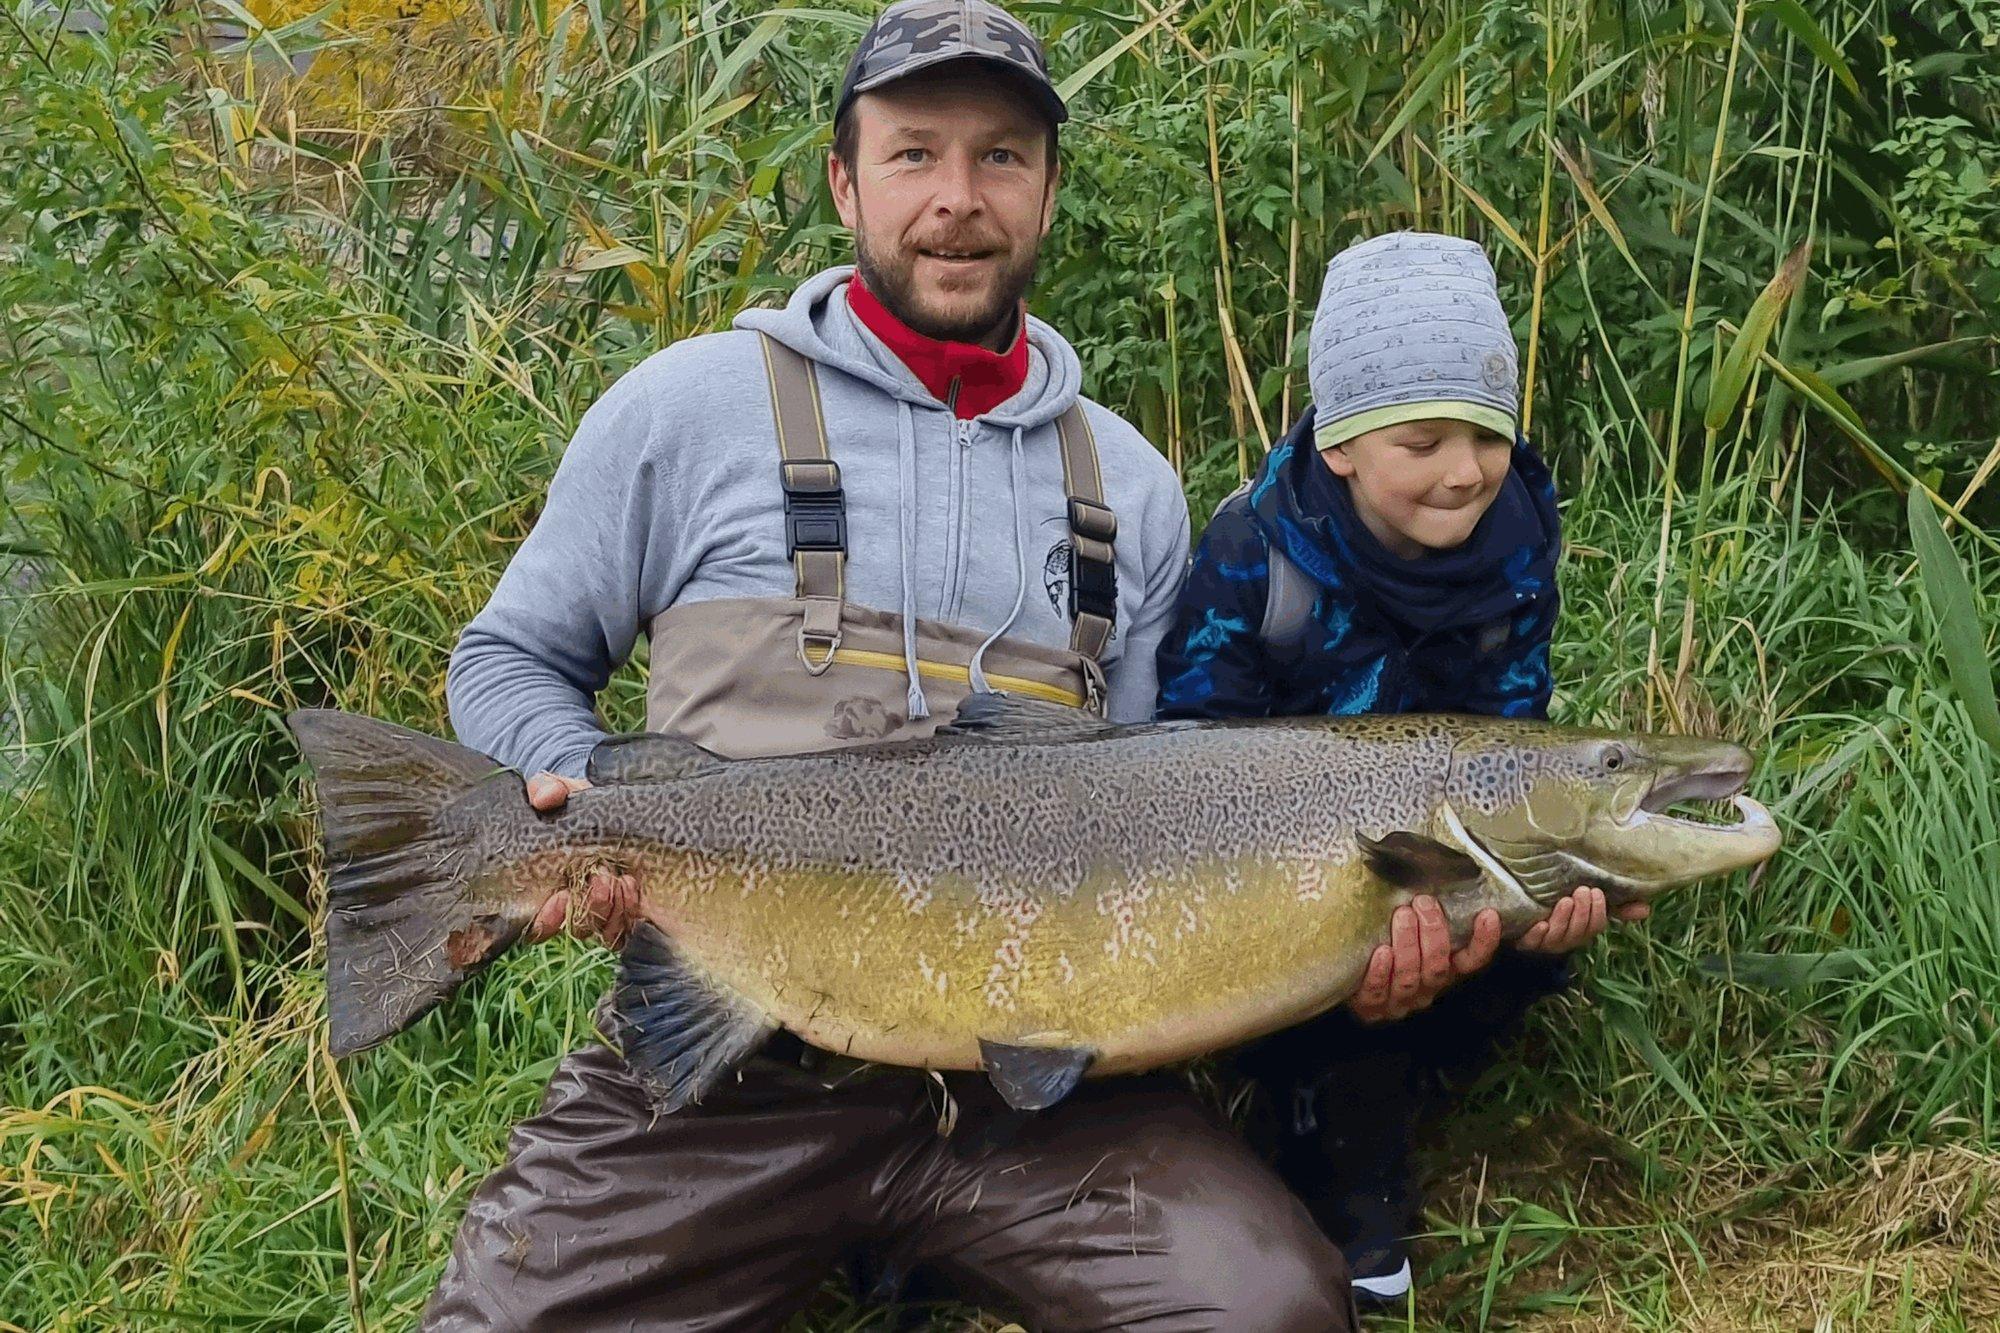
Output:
[[611, 902], [1576, 921], [1418, 964]]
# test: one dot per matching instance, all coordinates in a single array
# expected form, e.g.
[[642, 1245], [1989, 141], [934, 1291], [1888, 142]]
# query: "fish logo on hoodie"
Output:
[[1055, 572]]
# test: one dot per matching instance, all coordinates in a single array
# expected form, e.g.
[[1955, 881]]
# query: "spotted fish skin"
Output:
[[1146, 894], [899, 908]]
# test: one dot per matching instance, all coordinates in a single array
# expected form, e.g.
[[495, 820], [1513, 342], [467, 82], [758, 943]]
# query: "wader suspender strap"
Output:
[[815, 508], [816, 516], [1093, 528]]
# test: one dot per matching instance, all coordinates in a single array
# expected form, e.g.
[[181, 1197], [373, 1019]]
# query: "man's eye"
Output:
[[913, 154], [1004, 156]]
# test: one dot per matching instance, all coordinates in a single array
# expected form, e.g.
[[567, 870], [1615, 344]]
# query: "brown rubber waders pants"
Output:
[[1124, 1207]]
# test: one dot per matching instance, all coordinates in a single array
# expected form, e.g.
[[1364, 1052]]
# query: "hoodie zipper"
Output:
[[954, 607]]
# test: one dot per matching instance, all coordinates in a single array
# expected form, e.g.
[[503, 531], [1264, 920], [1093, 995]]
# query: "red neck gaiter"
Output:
[[966, 375]]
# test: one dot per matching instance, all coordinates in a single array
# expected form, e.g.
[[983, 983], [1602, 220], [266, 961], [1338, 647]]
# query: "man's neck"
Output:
[[973, 378]]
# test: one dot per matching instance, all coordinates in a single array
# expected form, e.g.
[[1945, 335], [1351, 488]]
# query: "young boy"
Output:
[[1395, 553]]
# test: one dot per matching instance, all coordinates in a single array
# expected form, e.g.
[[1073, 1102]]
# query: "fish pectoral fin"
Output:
[[1417, 863], [681, 1032], [648, 756], [1033, 1078], [1002, 717]]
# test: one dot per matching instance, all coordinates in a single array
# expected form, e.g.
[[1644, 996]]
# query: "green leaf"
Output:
[[279, 898], [1801, 25], [1631, 1025], [1785, 971], [1424, 83], [1961, 633], [1070, 86], [1727, 388], [1848, 371]]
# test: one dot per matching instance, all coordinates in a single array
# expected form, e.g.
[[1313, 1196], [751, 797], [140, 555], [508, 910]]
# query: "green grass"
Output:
[[271, 420]]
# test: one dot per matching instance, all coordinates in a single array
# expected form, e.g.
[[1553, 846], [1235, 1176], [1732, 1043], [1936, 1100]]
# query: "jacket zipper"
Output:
[[961, 502]]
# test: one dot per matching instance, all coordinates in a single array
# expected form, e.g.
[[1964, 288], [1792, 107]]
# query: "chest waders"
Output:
[[754, 676]]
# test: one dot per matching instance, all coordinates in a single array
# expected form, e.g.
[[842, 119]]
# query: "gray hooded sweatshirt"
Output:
[[669, 494]]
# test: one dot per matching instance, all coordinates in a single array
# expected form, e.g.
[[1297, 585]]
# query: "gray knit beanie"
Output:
[[1409, 326]]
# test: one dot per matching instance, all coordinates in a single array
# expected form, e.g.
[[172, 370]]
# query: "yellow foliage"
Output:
[[400, 67]]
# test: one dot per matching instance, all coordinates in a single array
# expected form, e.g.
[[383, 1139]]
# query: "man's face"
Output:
[[949, 195], [1422, 485]]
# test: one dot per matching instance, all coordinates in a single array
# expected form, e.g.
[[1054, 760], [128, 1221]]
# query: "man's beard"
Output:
[[891, 278]]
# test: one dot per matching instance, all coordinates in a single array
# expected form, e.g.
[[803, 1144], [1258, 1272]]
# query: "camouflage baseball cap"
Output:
[[916, 35]]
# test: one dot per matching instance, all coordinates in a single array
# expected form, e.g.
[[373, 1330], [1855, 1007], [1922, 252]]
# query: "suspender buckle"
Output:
[[1087, 518], [815, 506], [1093, 584]]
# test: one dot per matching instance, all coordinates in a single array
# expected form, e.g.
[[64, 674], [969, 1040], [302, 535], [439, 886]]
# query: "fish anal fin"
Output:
[[648, 756], [1417, 863], [1033, 1078], [681, 1032], [1005, 717]]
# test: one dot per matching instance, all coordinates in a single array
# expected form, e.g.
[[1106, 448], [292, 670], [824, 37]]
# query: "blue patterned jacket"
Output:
[[1293, 607]]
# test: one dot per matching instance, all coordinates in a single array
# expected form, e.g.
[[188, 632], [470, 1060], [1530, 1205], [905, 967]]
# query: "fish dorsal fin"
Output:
[[648, 756], [681, 1032], [1415, 862], [1031, 1078], [1003, 717]]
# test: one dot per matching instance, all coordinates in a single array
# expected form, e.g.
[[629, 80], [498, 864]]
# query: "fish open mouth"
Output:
[[1708, 798]]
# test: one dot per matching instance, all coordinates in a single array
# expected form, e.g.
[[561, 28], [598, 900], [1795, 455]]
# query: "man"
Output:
[[825, 521]]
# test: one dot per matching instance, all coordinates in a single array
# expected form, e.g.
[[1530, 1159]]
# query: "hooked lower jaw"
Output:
[[1655, 850], [1753, 819]]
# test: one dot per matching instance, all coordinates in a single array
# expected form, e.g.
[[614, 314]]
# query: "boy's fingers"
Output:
[[1587, 917], [1559, 918], [1369, 1003], [1405, 935], [598, 905], [550, 919], [1381, 966], [1633, 911], [1479, 950], [625, 912], [1435, 941], [1536, 937]]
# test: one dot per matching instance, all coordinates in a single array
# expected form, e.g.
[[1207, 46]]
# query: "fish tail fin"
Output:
[[403, 925]]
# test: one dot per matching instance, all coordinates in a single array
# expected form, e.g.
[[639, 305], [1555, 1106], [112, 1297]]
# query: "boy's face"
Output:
[[1422, 485]]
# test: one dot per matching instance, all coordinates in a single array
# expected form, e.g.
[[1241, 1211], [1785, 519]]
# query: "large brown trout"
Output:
[[1033, 892]]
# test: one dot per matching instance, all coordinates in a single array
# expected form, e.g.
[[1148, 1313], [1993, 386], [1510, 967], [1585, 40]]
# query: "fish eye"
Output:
[[1614, 758]]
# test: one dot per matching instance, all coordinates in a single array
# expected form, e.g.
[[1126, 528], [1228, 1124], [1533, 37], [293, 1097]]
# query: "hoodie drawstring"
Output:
[[914, 704], [1014, 483]]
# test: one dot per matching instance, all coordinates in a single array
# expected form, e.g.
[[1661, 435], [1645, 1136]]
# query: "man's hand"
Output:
[[611, 901], [1576, 921], [1418, 965]]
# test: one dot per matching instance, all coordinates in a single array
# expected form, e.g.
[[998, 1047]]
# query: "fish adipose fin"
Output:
[[678, 1030], [403, 928], [1003, 717], [648, 756], [1032, 1078], [1422, 865]]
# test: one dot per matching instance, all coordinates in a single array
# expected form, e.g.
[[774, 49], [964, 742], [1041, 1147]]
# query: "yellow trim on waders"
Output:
[[1033, 689]]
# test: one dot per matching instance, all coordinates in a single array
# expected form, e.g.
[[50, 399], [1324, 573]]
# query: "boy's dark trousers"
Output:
[[1340, 1102]]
